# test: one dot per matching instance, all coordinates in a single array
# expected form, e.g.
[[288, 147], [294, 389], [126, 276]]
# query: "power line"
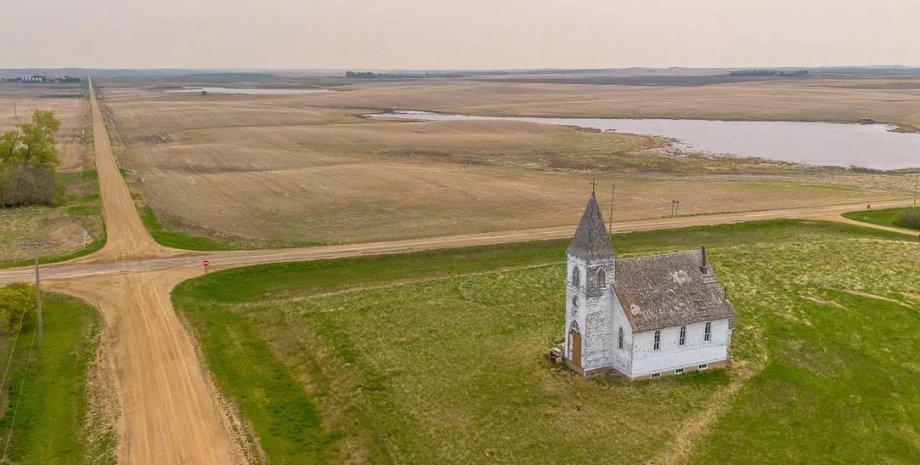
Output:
[[13, 349], [22, 387]]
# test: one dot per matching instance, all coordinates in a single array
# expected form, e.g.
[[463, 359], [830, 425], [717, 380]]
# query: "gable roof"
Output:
[[662, 291], [591, 240]]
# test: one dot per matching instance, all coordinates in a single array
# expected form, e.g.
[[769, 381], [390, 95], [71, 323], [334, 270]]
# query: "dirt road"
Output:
[[128, 239], [169, 413]]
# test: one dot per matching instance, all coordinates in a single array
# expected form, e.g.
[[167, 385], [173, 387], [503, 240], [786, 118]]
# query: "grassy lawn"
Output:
[[437, 356], [884, 217], [51, 417]]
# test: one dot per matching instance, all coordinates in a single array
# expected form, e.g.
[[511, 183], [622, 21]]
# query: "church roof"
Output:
[[662, 291], [591, 240]]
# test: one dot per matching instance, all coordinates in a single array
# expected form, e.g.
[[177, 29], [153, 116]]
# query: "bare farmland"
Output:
[[280, 170]]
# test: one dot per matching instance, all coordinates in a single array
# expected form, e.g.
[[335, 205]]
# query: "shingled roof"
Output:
[[663, 291], [591, 241]]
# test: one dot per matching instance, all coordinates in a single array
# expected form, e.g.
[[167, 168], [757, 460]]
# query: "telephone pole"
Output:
[[613, 190], [36, 246], [916, 187]]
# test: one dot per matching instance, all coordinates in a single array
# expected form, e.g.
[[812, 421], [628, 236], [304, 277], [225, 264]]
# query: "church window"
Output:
[[601, 278], [683, 335], [707, 334], [620, 340], [575, 301], [657, 340], [576, 277]]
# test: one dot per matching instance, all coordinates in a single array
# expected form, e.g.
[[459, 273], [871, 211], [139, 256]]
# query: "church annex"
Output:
[[642, 317]]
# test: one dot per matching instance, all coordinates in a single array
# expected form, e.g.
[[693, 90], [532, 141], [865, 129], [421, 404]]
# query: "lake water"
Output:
[[228, 90], [827, 144]]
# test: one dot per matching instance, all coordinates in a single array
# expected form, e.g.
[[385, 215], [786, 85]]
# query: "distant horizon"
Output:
[[468, 35], [586, 69]]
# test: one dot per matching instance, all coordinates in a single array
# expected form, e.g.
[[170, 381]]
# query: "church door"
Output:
[[576, 348]]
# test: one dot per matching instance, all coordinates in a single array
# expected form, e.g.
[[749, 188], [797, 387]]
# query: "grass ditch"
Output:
[[884, 217], [51, 419], [436, 356]]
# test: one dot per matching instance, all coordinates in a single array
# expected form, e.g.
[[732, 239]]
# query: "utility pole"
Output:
[[15, 114], [613, 189], [916, 187], [36, 246]]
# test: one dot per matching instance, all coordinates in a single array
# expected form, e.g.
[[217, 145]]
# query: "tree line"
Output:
[[28, 159]]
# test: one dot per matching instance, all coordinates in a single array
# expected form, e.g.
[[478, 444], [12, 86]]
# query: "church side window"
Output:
[[707, 334], [576, 277], [657, 340], [620, 340], [601, 278], [683, 335]]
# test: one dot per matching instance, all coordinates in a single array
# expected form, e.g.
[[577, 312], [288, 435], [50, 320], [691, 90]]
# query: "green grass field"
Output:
[[50, 424], [884, 217], [437, 356]]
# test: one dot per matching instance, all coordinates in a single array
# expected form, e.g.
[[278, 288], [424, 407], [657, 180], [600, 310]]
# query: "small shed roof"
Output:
[[662, 291]]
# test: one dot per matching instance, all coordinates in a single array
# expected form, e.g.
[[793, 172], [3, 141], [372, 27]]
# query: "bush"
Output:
[[17, 301], [910, 219], [23, 184]]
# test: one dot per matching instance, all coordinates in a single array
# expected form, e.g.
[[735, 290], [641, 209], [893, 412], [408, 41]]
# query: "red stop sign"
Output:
[[205, 263]]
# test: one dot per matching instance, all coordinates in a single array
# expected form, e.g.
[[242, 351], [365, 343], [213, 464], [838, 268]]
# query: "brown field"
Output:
[[841, 100], [61, 225], [296, 169]]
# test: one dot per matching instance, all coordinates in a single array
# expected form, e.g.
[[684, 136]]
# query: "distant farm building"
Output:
[[642, 317]]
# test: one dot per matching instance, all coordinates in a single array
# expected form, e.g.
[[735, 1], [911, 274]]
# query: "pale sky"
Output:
[[440, 34]]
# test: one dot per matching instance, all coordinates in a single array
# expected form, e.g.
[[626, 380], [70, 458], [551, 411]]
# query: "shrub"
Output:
[[17, 301], [910, 218]]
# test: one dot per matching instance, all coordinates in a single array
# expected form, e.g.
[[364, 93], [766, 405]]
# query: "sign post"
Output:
[[205, 264], [84, 234]]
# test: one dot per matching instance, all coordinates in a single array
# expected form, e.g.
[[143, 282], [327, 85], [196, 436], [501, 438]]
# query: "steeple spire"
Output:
[[591, 240]]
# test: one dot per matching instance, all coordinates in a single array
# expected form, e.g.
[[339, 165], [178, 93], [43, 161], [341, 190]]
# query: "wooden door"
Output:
[[576, 349]]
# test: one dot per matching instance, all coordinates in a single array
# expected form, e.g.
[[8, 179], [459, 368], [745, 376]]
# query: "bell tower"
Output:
[[590, 274]]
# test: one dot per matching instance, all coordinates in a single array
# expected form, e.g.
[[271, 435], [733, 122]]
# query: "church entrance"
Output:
[[575, 349]]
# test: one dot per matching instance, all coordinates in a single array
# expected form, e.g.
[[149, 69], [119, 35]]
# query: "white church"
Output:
[[643, 317]]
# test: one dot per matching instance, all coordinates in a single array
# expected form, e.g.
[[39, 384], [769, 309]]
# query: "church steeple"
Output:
[[591, 241]]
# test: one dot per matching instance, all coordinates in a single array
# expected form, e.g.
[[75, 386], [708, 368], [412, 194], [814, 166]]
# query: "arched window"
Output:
[[601, 278], [683, 336], [657, 340], [576, 277], [620, 340], [707, 334]]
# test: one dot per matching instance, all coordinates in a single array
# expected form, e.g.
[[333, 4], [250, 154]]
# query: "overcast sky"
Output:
[[442, 34]]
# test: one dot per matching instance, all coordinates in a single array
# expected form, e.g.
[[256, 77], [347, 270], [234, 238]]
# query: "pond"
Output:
[[229, 90], [827, 144]]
